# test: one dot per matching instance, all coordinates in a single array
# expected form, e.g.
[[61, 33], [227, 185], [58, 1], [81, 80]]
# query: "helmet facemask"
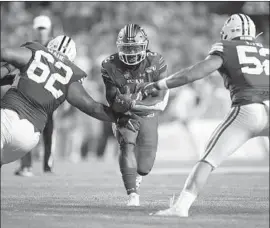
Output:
[[132, 53], [132, 44]]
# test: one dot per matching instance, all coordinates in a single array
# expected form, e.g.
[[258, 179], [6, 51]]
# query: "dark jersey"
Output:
[[42, 87], [116, 73], [245, 70]]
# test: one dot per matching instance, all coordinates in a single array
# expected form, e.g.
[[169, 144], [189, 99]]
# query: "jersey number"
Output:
[[259, 67], [47, 74]]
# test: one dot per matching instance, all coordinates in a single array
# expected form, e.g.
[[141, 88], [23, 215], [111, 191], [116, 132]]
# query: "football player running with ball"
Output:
[[137, 120], [48, 77], [244, 65]]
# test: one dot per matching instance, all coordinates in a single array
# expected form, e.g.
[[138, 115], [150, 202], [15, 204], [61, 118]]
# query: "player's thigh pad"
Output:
[[124, 135], [18, 135], [146, 147], [241, 124]]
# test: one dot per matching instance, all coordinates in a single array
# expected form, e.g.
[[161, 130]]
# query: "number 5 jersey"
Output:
[[245, 70], [42, 87]]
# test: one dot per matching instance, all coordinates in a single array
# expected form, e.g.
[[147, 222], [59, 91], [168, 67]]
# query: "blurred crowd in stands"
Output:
[[182, 32]]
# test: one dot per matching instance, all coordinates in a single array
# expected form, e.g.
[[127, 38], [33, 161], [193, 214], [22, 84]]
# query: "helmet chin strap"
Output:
[[258, 35]]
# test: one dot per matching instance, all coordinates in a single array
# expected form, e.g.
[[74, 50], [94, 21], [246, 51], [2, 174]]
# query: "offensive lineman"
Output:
[[48, 76], [122, 72], [244, 66]]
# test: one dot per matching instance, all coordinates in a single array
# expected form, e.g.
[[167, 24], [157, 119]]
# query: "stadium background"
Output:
[[182, 32], [91, 194]]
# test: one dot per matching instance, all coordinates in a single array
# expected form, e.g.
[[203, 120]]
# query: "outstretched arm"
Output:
[[79, 98], [13, 58], [195, 72], [18, 57], [187, 75]]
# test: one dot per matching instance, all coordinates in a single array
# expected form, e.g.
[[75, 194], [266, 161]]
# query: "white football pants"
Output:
[[18, 136], [241, 124]]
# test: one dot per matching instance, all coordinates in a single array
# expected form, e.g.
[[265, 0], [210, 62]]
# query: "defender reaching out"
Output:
[[48, 77], [244, 65]]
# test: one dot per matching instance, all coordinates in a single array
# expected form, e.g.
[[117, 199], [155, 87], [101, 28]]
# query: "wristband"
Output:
[[162, 84]]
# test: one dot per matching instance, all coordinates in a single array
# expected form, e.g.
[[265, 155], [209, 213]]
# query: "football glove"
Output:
[[149, 88], [7, 80], [122, 102]]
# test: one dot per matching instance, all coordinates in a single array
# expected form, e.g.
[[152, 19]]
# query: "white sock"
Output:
[[185, 200]]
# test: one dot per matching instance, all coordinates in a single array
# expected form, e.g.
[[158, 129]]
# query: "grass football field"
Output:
[[91, 195]]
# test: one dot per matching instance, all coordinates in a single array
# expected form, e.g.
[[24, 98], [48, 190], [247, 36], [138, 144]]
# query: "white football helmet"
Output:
[[63, 46], [238, 25]]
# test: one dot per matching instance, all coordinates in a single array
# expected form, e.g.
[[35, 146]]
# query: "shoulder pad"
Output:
[[107, 66], [109, 59], [217, 47], [156, 58], [76, 69], [152, 55]]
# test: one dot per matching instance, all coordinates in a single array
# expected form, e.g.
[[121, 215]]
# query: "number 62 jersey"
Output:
[[245, 70], [42, 87]]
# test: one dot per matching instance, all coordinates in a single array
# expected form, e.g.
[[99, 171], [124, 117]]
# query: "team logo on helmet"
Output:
[[121, 34], [62, 46], [238, 25]]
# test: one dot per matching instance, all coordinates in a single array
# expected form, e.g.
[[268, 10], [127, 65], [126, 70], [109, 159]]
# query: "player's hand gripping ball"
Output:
[[122, 102], [148, 88]]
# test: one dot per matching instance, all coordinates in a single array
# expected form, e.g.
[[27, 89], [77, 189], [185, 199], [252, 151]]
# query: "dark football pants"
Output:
[[26, 161], [146, 145]]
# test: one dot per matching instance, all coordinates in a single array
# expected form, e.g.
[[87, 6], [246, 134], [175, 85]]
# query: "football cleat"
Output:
[[238, 25], [173, 210], [24, 172], [133, 200], [132, 43]]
